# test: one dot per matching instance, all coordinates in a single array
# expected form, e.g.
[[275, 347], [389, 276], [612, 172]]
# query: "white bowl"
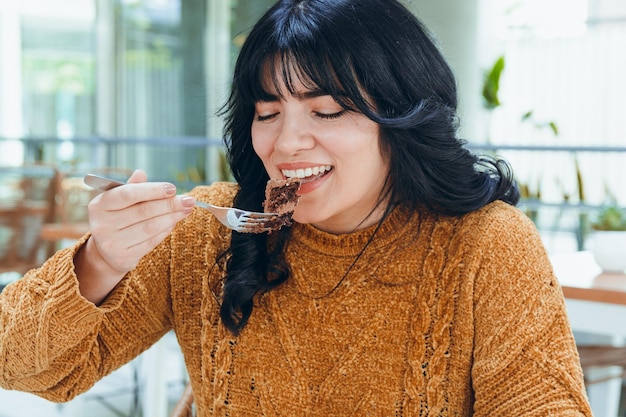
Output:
[[609, 250]]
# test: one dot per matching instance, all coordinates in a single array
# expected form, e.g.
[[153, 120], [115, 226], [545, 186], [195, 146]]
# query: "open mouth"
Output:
[[308, 174]]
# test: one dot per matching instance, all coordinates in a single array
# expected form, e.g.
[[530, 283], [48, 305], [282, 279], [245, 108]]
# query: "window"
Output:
[[563, 87], [82, 78], [564, 68]]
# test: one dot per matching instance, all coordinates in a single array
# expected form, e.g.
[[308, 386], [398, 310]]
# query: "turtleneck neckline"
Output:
[[322, 263], [398, 222]]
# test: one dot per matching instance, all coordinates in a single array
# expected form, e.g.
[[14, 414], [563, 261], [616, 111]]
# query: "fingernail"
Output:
[[170, 189], [188, 201]]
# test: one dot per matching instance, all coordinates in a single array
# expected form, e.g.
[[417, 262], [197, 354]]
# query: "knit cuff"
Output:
[[68, 318]]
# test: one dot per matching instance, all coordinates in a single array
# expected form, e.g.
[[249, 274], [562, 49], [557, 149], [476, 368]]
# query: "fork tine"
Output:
[[243, 228], [257, 215], [253, 218], [252, 222], [239, 217], [240, 220]]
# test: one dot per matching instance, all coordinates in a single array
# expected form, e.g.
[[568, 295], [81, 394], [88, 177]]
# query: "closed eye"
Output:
[[331, 116], [265, 117]]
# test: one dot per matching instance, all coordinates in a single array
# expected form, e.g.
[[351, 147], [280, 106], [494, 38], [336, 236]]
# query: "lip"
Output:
[[312, 183]]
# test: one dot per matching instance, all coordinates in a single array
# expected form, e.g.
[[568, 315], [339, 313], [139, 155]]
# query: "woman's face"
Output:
[[334, 152]]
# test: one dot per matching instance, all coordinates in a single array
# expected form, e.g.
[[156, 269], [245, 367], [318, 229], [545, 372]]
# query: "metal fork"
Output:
[[233, 218]]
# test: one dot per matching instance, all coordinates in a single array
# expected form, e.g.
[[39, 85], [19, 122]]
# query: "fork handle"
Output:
[[101, 183]]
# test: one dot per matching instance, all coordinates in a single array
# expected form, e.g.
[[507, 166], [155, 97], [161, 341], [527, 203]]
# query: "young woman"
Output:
[[409, 284]]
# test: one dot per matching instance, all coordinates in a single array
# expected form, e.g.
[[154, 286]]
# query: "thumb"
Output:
[[137, 176]]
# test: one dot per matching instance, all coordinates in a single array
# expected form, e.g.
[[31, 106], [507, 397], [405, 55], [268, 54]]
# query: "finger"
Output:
[[138, 176], [149, 232], [146, 211], [134, 193], [122, 248], [161, 207]]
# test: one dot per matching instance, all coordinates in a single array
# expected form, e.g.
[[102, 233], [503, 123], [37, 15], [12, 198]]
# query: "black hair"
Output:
[[374, 57]]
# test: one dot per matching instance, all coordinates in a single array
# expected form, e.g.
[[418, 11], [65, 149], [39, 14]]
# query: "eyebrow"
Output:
[[268, 97], [310, 94]]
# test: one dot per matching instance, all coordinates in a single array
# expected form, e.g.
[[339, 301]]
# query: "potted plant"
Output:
[[609, 238]]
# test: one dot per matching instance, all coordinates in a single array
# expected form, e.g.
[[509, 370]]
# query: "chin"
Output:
[[298, 218], [304, 217]]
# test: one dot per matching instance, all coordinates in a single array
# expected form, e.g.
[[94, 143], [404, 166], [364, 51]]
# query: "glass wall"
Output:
[[58, 69], [158, 84], [47, 74], [562, 93], [58, 76], [563, 85], [119, 82]]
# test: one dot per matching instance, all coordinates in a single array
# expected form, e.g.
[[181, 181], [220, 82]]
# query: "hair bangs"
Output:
[[288, 71]]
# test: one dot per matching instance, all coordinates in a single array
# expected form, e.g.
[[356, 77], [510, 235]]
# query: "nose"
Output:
[[294, 136]]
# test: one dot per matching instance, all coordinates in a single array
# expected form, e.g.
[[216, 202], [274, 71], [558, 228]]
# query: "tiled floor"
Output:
[[117, 395]]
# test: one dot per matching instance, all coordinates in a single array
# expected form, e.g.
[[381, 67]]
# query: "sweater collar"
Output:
[[399, 222], [320, 261]]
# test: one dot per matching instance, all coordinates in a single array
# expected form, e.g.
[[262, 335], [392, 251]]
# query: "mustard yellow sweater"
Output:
[[440, 316]]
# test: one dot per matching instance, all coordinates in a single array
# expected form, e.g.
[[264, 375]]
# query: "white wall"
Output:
[[463, 36]]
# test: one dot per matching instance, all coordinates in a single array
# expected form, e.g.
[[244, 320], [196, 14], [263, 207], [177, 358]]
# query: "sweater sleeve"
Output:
[[56, 344], [525, 357]]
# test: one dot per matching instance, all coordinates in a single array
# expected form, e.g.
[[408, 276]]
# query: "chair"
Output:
[[602, 356], [184, 407], [26, 202], [604, 371], [70, 221]]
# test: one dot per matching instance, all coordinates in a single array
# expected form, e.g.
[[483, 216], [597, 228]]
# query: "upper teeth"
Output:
[[306, 172]]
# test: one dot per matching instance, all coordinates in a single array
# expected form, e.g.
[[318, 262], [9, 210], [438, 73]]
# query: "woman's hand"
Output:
[[126, 223]]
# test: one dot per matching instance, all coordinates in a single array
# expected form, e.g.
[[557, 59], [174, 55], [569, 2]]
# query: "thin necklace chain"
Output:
[[358, 256]]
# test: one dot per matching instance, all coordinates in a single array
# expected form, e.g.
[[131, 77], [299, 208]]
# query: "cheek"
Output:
[[257, 149], [262, 146]]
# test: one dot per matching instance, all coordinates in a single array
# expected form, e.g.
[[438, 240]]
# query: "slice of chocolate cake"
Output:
[[281, 196]]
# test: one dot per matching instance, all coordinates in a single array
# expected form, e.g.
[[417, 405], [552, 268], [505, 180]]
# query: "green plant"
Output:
[[526, 193], [610, 217], [491, 85], [530, 118]]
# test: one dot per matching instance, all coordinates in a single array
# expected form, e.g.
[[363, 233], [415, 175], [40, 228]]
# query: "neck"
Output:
[[351, 225]]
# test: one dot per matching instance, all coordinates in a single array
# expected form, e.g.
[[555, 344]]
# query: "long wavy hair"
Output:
[[374, 57]]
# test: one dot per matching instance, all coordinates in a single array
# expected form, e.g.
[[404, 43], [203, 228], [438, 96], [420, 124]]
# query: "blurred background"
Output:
[[137, 84], [114, 85], [129, 83]]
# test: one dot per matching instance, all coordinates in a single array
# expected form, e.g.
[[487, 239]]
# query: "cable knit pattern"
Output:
[[440, 316]]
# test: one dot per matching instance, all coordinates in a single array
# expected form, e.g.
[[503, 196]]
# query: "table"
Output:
[[63, 231], [20, 222], [58, 234], [596, 305]]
